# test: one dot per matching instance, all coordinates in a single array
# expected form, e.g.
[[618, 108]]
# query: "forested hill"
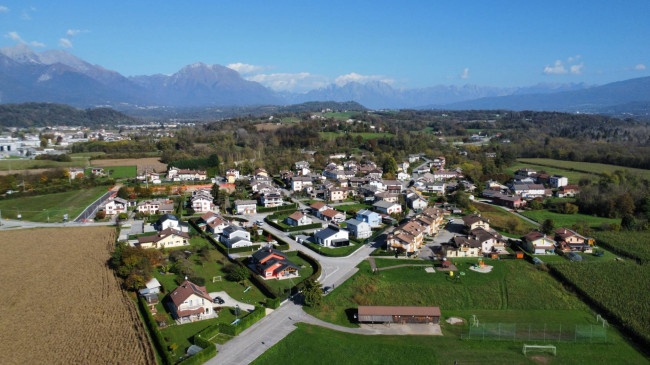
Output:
[[47, 114]]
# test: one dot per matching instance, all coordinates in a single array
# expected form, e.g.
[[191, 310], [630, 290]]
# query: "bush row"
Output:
[[286, 228], [209, 351], [158, 340], [257, 280], [293, 206], [282, 244], [233, 330]]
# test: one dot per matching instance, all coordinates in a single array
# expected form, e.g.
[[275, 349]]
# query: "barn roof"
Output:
[[398, 311]]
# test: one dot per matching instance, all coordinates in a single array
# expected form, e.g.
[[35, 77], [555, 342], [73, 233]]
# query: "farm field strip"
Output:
[[589, 167], [63, 304]]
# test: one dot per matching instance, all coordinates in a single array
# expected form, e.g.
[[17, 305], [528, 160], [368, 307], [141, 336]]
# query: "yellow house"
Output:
[[165, 239]]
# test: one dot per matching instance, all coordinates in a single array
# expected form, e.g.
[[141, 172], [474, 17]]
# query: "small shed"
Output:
[[402, 315]]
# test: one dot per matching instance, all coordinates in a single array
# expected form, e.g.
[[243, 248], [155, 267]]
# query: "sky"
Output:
[[300, 45]]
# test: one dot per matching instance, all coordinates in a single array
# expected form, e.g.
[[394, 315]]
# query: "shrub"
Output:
[[100, 215]]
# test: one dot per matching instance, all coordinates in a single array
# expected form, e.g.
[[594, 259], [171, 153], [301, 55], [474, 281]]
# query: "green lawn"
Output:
[[327, 346], [503, 221], [567, 220], [340, 115], [365, 136], [38, 208], [121, 172], [348, 207], [512, 284], [596, 168], [333, 251]]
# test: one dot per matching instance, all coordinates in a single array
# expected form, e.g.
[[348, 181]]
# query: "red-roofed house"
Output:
[[190, 302]]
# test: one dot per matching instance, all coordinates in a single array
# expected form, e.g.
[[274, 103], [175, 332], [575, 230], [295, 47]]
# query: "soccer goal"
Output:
[[216, 278], [528, 348]]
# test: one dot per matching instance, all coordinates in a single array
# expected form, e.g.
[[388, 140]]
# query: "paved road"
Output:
[[512, 212], [8, 224]]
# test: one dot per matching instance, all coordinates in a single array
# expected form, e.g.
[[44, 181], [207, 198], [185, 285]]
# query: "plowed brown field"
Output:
[[61, 303]]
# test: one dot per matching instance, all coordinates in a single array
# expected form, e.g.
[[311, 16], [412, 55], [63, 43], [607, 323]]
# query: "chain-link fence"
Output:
[[537, 332]]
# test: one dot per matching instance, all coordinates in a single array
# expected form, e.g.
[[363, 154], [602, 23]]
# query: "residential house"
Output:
[[370, 217], [232, 175], [116, 206], [171, 221], [261, 187], [441, 175], [403, 176], [298, 219], [98, 171], [74, 173], [388, 197], [166, 238], [462, 246], [332, 236], [436, 187], [271, 199], [438, 163], [235, 236], [332, 215], [202, 201], [387, 207], [434, 219], [543, 179], [407, 237], [510, 201], [302, 168], [473, 221], [245, 207], [298, 183], [261, 172], [416, 201], [567, 191], [490, 240], [157, 206], [530, 191], [523, 173], [568, 240], [336, 194], [176, 174], [358, 229], [190, 302], [273, 264], [212, 222], [538, 243], [319, 207], [414, 158], [150, 293]]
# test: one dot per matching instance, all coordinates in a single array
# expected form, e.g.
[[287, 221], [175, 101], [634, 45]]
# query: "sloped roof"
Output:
[[296, 216], [187, 288], [398, 311], [161, 235]]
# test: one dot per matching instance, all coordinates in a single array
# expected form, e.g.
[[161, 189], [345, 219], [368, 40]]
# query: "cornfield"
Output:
[[62, 304]]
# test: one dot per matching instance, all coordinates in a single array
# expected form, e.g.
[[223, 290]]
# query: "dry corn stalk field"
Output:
[[61, 303]]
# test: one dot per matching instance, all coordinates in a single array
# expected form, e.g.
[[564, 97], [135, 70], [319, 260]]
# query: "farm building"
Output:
[[402, 315]]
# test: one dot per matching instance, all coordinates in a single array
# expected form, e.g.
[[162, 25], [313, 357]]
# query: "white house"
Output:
[[417, 202], [165, 239], [359, 229], [557, 181], [116, 206], [202, 201], [538, 243], [245, 207], [403, 176], [271, 199], [235, 236], [171, 221], [298, 183], [157, 206], [298, 219], [332, 236], [385, 207], [191, 302], [370, 217]]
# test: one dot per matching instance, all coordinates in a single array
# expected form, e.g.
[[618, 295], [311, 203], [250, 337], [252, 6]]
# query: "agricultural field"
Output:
[[504, 222], [27, 164], [119, 172], [634, 244], [48, 317], [365, 136], [567, 220], [573, 176], [588, 167], [52, 206], [340, 115], [512, 285], [619, 287], [141, 163]]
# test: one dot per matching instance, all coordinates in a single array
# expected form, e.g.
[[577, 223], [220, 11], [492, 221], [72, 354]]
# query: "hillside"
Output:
[[46, 114]]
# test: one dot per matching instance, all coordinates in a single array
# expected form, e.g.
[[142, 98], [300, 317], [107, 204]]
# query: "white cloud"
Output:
[[557, 69], [25, 16], [65, 43], [294, 82], [355, 77], [72, 32], [639, 67], [465, 74], [244, 68], [4, 9], [36, 44], [577, 69], [14, 36], [574, 58]]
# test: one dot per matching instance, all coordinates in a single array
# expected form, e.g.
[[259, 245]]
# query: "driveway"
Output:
[[230, 302]]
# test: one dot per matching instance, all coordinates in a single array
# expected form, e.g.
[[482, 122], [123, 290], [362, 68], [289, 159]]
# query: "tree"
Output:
[[548, 226], [100, 215], [238, 273], [215, 193], [312, 292], [123, 192], [628, 222]]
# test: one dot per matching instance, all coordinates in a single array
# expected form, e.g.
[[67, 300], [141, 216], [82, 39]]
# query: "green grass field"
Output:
[[596, 168], [504, 222], [340, 115], [512, 285], [365, 136], [567, 220], [38, 208], [356, 207], [634, 244], [333, 251]]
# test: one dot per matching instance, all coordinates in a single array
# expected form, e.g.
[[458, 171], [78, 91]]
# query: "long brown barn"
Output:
[[386, 314]]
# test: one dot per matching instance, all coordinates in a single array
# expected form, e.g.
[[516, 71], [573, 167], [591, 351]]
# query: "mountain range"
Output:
[[60, 77]]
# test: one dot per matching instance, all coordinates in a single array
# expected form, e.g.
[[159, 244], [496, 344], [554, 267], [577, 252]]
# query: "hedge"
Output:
[[314, 264], [273, 303], [293, 228], [256, 280], [282, 244], [158, 340], [202, 356], [278, 208]]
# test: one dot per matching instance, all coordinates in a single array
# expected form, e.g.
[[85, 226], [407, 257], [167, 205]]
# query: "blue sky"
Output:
[[298, 45]]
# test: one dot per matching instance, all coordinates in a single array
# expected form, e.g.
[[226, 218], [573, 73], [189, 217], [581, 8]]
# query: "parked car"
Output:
[[327, 289], [218, 300]]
